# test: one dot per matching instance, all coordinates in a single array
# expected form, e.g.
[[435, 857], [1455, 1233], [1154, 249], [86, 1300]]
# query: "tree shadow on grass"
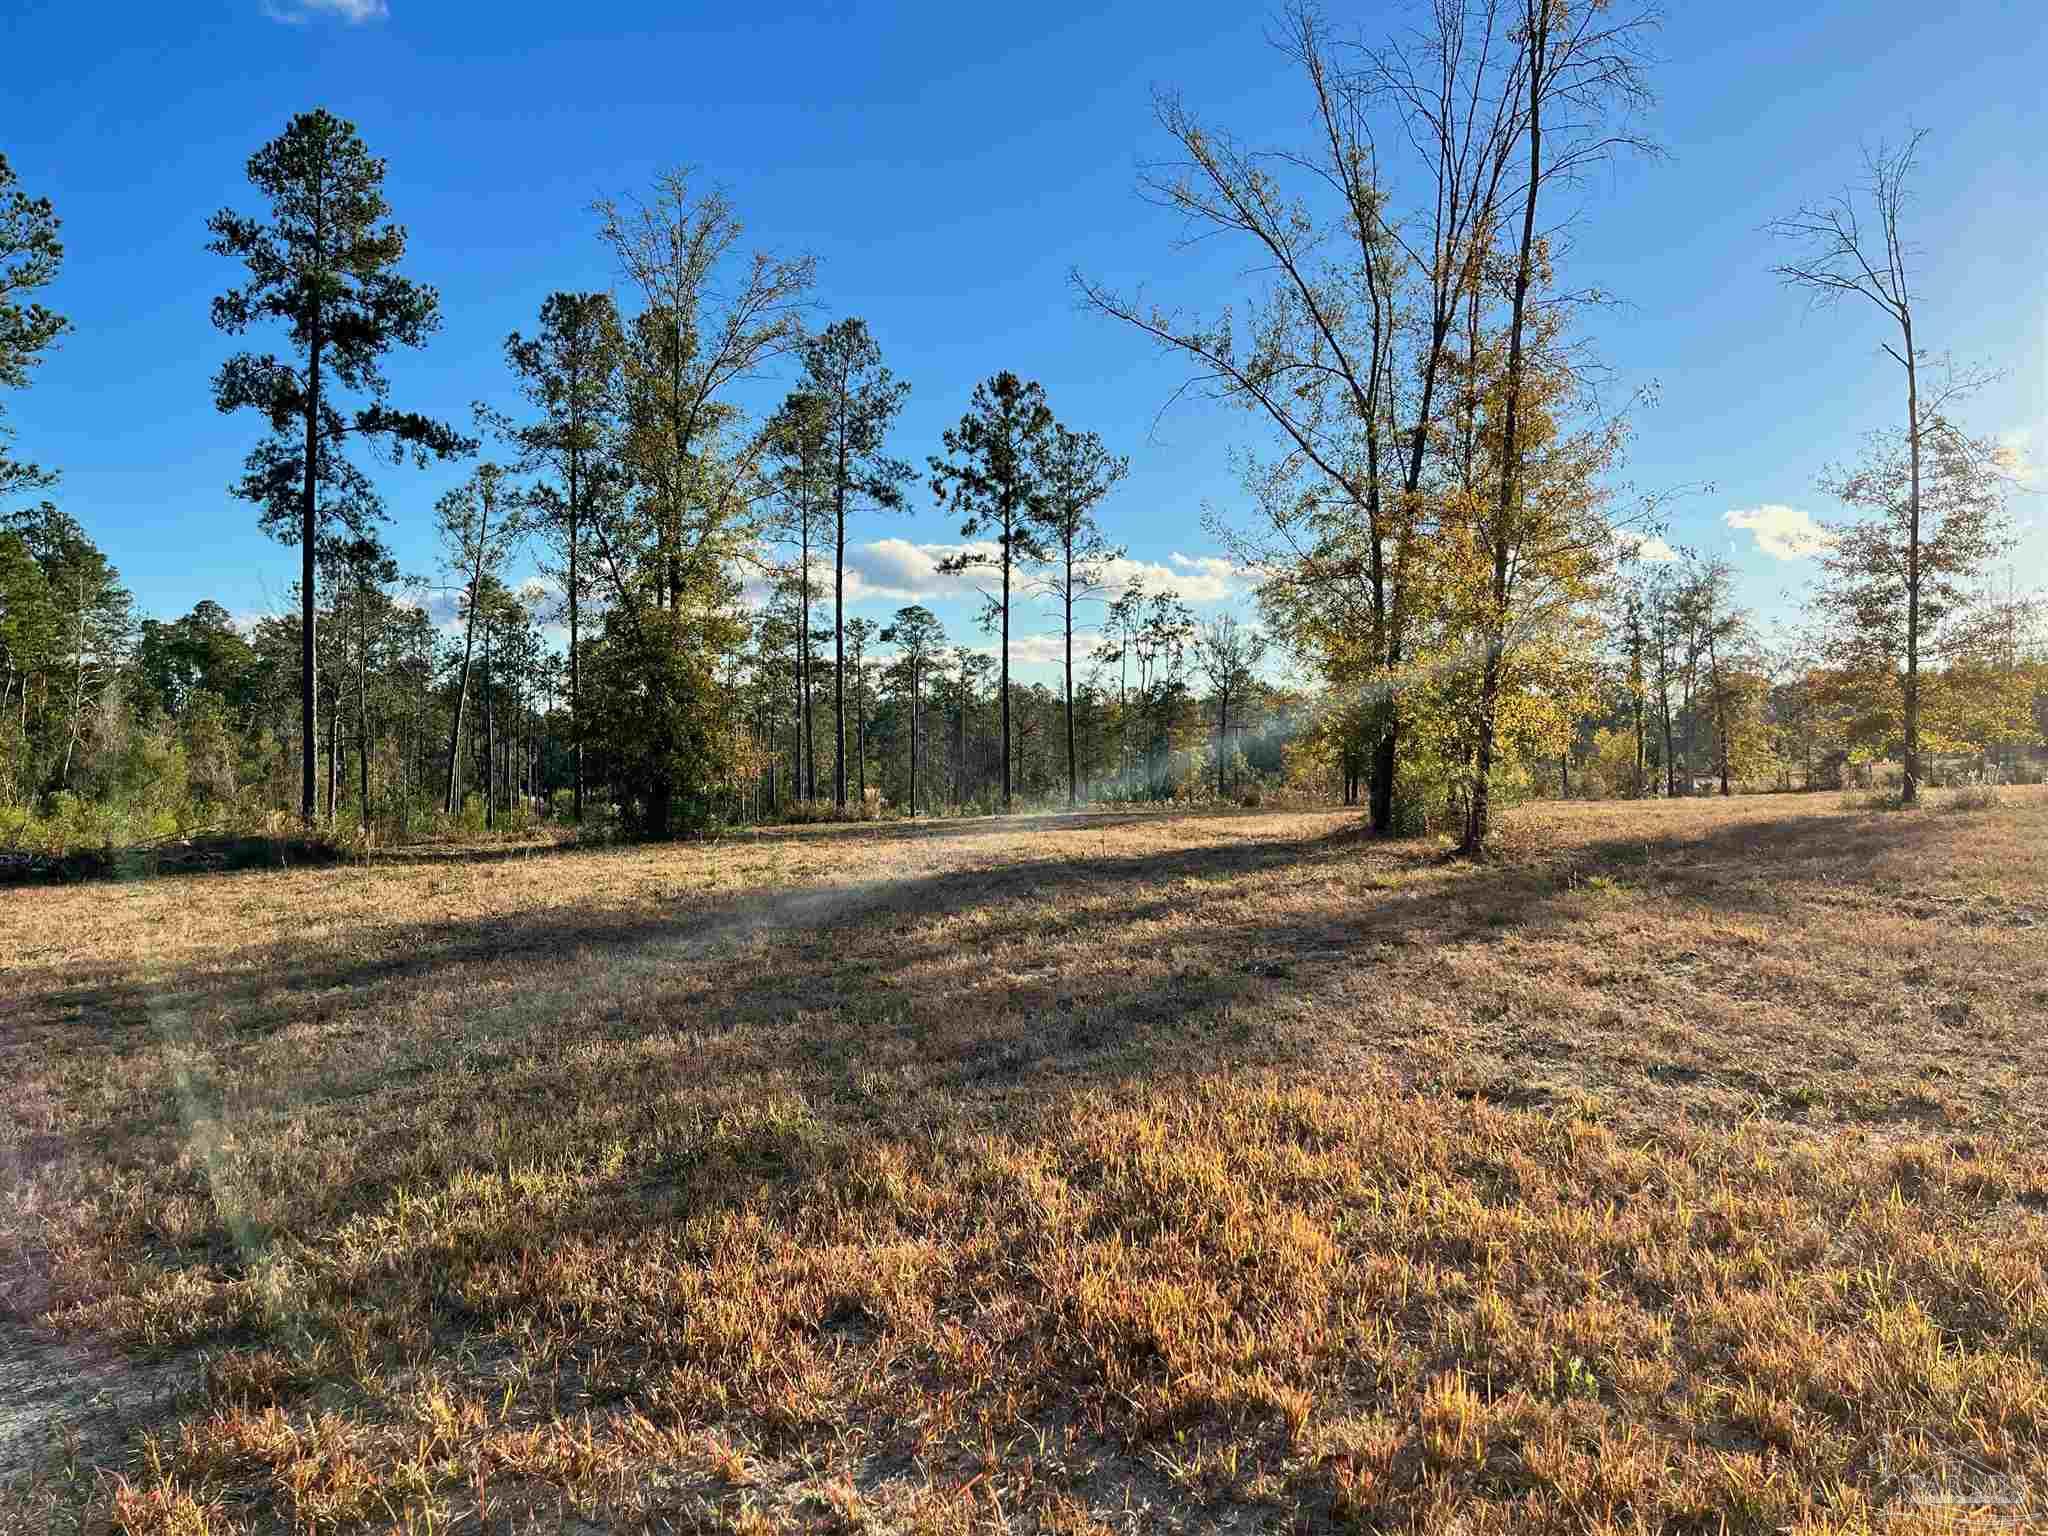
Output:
[[966, 999], [228, 854], [495, 988], [1737, 868]]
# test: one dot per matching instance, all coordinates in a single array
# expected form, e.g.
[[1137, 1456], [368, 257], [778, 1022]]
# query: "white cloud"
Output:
[[295, 13], [899, 570], [1192, 578], [1203, 578], [1647, 547], [444, 611], [1041, 650], [2021, 460], [1781, 531]]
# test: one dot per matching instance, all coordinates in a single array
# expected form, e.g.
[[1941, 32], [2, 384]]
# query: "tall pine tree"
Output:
[[569, 370], [30, 254], [324, 265], [991, 477], [861, 398]]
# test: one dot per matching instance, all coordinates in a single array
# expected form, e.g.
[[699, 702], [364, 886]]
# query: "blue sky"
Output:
[[947, 165]]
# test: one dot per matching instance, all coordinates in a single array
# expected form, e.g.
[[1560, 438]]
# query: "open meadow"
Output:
[[1683, 1167]]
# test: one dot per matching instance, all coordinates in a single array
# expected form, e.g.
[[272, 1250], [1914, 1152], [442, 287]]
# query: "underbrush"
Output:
[[68, 826], [1962, 798], [1252, 792], [70, 823], [1971, 797], [1874, 800], [859, 806]]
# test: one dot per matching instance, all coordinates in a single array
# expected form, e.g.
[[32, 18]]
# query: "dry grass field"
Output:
[[1683, 1169]]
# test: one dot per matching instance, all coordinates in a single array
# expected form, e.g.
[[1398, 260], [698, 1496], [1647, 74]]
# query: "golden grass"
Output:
[[1683, 1169]]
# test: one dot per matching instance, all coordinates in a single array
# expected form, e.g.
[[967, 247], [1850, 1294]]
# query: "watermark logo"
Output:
[[1964, 1495]]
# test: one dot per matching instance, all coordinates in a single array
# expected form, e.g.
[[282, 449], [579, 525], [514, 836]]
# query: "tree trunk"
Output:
[[839, 622], [575, 675], [77, 686], [1009, 531], [1538, 12], [490, 741], [1384, 753], [1670, 760], [1073, 772], [1386, 750], [333, 752], [476, 582], [1640, 743], [363, 699], [404, 769], [1909, 789], [1720, 711], [1222, 737], [1123, 709], [309, 530], [809, 770]]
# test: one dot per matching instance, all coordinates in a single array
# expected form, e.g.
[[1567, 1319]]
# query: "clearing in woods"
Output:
[[1682, 1169]]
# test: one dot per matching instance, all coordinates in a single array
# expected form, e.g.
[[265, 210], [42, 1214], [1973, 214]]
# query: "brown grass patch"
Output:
[[1682, 1170]]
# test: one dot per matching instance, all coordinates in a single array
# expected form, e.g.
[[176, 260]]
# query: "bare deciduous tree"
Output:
[[1319, 354], [1582, 73], [1842, 257]]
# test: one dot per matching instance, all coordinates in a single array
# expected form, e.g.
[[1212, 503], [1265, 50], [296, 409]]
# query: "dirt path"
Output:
[[66, 1400]]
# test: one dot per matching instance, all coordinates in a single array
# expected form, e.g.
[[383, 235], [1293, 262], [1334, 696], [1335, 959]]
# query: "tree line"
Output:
[[1437, 525], [151, 727], [656, 509]]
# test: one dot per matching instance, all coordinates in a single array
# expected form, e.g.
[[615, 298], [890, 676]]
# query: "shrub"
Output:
[[1971, 797], [868, 806], [804, 812]]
